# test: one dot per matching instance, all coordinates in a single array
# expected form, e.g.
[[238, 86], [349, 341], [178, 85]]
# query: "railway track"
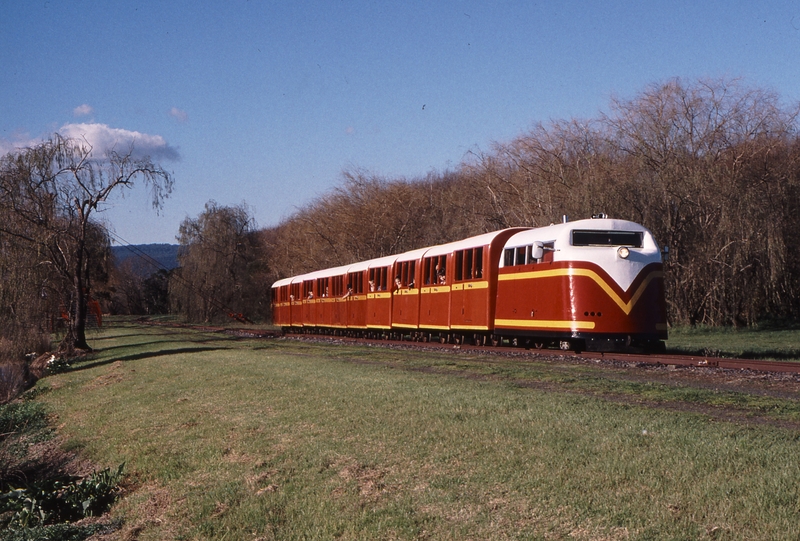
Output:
[[668, 360]]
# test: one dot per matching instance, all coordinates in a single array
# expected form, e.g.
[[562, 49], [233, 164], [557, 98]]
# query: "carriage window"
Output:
[[377, 278], [607, 238], [323, 287], [406, 272], [469, 264], [434, 270], [356, 281], [508, 257], [337, 286]]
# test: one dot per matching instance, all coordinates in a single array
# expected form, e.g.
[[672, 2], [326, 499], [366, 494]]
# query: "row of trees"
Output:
[[712, 167]]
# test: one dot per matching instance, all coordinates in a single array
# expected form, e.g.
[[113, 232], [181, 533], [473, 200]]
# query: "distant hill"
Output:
[[145, 259]]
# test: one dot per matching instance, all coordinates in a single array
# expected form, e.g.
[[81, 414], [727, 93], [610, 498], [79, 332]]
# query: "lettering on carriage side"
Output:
[[400, 292], [626, 307], [435, 289], [471, 285]]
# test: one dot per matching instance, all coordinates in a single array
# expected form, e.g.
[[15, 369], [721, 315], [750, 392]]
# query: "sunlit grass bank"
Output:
[[236, 439], [763, 342]]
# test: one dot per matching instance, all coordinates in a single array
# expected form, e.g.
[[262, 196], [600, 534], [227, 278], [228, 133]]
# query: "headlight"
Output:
[[623, 252]]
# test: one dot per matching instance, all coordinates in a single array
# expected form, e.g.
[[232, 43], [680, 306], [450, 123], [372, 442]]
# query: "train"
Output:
[[594, 284]]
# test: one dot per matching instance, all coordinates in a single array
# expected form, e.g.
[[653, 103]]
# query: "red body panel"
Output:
[[357, 311], [297, 313], [579, 297], [434, 307], [339, 313], [405, 308], [379, 310]]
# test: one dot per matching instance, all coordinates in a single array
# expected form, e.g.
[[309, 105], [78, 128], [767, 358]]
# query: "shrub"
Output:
[[60, 500], [21, 416]]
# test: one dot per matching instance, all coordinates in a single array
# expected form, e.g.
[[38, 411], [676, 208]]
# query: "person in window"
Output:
[[397, 283], [349, 291], [440, 275], [310, 295], [372, 286]]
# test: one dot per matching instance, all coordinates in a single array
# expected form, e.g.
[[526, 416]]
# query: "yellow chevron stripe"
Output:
[[626, 307]]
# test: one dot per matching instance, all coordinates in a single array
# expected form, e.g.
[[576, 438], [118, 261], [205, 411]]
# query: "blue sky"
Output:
[[267, 102]]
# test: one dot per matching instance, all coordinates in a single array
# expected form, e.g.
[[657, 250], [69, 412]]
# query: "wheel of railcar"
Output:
[[495, 340], [538, 345], [564, 345]]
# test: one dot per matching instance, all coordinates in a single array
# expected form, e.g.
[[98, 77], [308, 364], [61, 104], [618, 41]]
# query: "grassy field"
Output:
[[762, 342], [226, 438]]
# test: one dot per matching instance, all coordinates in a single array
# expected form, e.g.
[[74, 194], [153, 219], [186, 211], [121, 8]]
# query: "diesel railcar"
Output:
[[592, 284]]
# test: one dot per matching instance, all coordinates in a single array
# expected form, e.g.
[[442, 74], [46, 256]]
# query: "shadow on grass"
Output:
[[139, 345], [145, 355]]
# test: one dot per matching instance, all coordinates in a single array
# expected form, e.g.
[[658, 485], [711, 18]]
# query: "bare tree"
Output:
[[53, 191], [217, 251]]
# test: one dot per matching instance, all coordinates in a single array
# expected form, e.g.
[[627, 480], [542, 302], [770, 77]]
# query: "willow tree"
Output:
[[215, 264], [49, 194]]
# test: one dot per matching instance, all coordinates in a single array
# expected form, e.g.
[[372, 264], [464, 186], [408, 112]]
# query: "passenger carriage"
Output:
[[296, 301], [405, 285], [459, 286], [281, 303], [379, 274]]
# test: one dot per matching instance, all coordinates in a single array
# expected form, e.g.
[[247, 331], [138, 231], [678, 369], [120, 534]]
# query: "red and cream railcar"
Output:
[[405, 286], [379, 274], [595, 284], [330, 297], [355, 296], [590, 283], [281, 303], [296, 301], [459, 284]]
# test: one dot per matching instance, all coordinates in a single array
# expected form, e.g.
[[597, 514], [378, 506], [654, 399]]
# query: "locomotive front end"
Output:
[[596, 284]]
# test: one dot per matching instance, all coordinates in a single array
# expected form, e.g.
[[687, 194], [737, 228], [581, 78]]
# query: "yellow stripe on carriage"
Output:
[[624, 306], [545, 324], [471, 285]]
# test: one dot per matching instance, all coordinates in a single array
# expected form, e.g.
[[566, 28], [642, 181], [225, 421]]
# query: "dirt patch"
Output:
[[114, 374]]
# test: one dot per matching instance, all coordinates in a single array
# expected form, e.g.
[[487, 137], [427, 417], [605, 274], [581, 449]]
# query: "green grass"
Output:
[[238, 439], [763, 342]]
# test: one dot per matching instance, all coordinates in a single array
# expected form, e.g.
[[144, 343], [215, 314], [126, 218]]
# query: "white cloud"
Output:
[[20, 140], [178, 114], [83, 110], [103, 138]]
